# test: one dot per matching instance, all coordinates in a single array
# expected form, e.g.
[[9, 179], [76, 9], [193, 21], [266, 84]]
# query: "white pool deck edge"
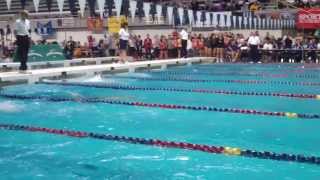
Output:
[[64, 63], [37, 74]]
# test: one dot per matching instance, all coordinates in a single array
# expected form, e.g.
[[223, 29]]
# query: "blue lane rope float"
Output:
[[203, 91], [213, 149], [290, 115], [191, 80]]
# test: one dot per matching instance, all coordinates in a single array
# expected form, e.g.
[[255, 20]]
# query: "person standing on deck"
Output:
[[124, 38], [147, 44], [22, 33], [254, 42], [184, 42]]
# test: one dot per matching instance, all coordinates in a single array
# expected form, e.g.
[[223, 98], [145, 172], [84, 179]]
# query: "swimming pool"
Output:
[[272, 108]]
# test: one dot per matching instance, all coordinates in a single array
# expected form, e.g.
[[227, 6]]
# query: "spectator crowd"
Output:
[[223, 46]]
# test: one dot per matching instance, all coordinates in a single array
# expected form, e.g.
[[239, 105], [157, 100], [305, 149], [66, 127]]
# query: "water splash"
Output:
[[96, 78], [139, 75], [10, 107]]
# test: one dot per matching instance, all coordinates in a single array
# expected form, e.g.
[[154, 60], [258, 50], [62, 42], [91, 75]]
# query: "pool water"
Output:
[[43, 156]]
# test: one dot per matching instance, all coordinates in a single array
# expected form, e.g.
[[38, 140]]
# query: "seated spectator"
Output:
[[69, 48], [267, 51], [85, 52], [244, 51], [311, 53], [101, 49], [77, 51]]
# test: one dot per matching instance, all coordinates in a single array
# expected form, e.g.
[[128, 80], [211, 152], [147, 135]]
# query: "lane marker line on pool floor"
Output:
[[291, 115], [229, 151], [191, 80], [203, 91]]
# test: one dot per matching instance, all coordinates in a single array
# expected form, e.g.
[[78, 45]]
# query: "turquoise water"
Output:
[[41, 156]]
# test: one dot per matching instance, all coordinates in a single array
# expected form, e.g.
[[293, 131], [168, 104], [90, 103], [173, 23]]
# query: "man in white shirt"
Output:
[[254, 42], [124, 38], [184, 42], [22, 32]]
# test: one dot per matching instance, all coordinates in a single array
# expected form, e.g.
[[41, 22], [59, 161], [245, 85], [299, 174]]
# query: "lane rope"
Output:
[[309, 76], [221, 74], [281, 70], [290, 115], [213, 149], [190, 80], [264, 75], [203, 91], [264, 67]]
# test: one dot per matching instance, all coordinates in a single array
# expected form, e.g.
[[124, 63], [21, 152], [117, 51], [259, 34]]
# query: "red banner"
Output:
[[308, 19]]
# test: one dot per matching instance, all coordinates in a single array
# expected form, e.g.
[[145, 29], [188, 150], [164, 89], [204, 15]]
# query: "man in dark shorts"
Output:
[[22, 32]]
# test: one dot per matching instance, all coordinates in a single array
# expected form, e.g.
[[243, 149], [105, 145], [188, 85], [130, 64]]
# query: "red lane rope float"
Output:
[[220, 81], [223, 74], [229, 151], [163, 106], [204, 91]]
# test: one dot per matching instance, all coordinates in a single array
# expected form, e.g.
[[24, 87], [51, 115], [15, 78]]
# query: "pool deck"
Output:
[[63, 63], [36, 75]]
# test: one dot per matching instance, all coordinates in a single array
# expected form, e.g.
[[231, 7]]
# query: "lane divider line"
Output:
[[191, 80], [203, 91], [265, 75], [290, 115], [221, 74], [213, 149]]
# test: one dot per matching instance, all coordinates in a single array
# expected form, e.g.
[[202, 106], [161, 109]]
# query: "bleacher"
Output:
[[43, 8], [214, 5], [202, 4]]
